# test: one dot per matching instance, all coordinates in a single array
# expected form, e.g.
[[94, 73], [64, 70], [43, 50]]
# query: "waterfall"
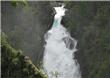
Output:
[[58, 60]]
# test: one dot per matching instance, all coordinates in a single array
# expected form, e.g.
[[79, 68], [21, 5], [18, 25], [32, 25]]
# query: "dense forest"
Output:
[[15, 64], [25, 24], [89, 23]]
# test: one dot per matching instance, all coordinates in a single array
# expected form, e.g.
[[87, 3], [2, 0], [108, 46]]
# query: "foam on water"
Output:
[[58, 61]]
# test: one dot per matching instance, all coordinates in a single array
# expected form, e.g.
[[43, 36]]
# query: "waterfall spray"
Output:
[[58, 61]]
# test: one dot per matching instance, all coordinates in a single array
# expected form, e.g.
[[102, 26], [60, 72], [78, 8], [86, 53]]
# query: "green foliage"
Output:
[[15, 3], [16, 65], [26, 28], [89, 24]]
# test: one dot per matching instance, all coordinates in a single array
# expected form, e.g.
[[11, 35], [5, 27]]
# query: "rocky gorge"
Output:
[[25, 24]]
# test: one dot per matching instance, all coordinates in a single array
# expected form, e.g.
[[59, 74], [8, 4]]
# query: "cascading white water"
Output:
[[58, 61]]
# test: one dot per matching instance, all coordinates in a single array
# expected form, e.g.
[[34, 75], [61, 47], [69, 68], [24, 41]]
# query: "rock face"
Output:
[[26, 25], [89, 23], [16, 65]]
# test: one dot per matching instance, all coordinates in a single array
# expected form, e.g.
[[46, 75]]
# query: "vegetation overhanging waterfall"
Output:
[[58, 61]]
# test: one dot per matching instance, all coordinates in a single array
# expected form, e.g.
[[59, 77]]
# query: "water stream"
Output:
[[58, 61]]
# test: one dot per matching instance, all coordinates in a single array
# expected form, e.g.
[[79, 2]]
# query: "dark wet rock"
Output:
[[26, 26], [87, 22]]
